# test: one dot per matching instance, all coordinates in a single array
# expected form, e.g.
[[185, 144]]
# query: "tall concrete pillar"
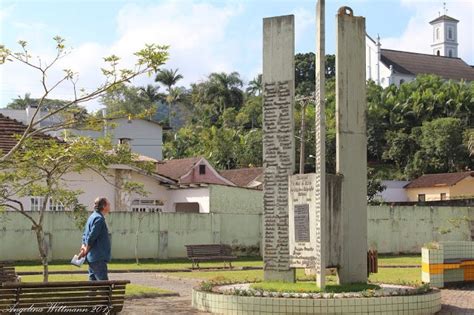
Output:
[[320, 188], [351, 141], [278, 142]]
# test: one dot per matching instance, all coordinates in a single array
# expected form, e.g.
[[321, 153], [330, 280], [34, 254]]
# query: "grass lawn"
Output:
[[132, 291], [144, 264], [385, 275], [310, 287], [402, 260], [397, 276], [186, 264]]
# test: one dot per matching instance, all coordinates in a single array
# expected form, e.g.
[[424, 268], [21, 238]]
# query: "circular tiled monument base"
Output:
[[428, 303]]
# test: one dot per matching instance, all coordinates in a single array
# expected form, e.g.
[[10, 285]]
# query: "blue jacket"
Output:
[[96, 236]]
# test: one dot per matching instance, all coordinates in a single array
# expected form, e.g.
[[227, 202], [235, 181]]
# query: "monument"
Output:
[[278, 142], [311, 222], [315, 221], [351, 144]]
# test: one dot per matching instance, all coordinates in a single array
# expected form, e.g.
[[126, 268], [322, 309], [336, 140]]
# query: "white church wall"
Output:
[[371, 59]]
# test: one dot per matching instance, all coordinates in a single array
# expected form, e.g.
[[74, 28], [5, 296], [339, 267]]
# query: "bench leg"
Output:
[[230, 265]]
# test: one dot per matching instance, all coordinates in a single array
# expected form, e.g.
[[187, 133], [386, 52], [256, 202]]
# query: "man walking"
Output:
[[96, 242]]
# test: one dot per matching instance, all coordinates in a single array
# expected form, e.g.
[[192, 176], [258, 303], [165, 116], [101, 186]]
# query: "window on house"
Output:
[[55, 205], [124, 141], [421, 197], [442, 196], [437, 53], [450, 33], [202, 169], [402, 81], [147, 205], [437, 33], [35, 203], [186, 207], [450, 53]]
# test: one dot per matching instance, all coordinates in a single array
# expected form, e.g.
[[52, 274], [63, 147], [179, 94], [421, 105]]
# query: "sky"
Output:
[[204, 35]]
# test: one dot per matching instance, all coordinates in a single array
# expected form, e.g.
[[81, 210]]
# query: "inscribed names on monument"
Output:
[[278, 152], [301, 218], [278, 80]]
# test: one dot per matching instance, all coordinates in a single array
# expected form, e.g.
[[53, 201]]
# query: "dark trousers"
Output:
[[98, 270]]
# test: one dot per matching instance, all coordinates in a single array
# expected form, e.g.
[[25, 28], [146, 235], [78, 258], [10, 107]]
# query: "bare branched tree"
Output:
[[149, 59]]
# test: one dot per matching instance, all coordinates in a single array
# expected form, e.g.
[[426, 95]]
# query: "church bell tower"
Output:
[[445, 36]]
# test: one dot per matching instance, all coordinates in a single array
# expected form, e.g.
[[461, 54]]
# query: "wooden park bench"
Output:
[[210, 252], [8, 273], [372, 261], [78, 297]]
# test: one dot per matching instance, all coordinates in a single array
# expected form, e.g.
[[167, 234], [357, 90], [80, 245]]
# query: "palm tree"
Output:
[[225, 90], [173, 96], [150, 96], [22, 103], [150, 92], [255, 85], [168, 77]]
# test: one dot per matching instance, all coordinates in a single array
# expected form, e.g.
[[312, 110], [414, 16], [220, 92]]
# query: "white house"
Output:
[[190, 189], [144, 136], [388, 66]]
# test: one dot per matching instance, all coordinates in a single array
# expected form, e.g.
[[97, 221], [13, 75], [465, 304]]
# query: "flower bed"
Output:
[[241, 299]]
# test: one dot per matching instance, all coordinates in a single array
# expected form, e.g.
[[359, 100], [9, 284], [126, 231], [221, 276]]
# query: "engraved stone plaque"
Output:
[[305, 223], [301, 217]]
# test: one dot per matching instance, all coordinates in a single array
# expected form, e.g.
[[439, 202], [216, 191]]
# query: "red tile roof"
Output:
[[439, 180], [10, 129], [175, 169], [415, 63], [242, 177]]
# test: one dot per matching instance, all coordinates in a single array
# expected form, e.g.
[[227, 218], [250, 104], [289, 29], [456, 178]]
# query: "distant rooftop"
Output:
[[439, 180], [415, 63], [242, 177], [444, 18]]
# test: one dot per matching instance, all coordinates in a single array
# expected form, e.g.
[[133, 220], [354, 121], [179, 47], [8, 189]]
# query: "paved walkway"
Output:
[[161, 305], [458, 300], [455, 300]]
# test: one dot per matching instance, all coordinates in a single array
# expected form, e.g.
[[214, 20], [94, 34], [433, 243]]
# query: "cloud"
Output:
[[196, 33], [417, 36], [5, 11]]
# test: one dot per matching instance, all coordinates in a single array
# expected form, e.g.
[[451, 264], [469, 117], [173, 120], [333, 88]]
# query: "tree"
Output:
[[213, 96], [140, 218], [441, 148], [169, 78], [149, 59], [225, 90], [305, 67], [151, 93], [250, 115], [124, 100], [38, 167], [255, 86]]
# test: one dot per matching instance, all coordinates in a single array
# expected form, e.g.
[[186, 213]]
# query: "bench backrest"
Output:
[[7, 273], [207, 250], [85, 296]]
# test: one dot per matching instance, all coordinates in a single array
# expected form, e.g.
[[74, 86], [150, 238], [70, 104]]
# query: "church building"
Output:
[[388, 66]]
